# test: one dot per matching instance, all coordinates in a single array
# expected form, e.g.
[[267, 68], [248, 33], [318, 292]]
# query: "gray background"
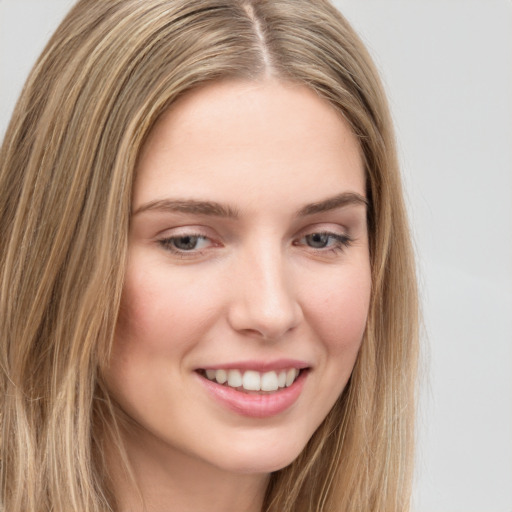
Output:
[[447, 65]]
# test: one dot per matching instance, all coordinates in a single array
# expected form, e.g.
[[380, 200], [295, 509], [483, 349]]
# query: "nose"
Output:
[[264, 302]]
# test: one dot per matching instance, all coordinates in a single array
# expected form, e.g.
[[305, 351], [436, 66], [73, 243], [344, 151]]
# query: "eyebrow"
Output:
[[332, 203], [215, 209], [189, 206]]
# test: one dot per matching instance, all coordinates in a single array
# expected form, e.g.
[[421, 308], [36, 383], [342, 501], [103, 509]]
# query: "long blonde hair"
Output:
[[66, 173]]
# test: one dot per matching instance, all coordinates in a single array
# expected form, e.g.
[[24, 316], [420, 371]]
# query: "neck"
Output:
[[167, 479]]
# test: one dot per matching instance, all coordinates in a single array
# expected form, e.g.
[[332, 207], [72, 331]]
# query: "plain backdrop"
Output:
[[447, 67]]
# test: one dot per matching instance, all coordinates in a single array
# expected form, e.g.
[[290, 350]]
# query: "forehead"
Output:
[[256, 138]]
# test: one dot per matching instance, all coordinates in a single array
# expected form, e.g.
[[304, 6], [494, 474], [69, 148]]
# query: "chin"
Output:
[[266, 457]]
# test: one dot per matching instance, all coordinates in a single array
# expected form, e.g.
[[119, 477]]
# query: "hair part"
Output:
[[66, 174]]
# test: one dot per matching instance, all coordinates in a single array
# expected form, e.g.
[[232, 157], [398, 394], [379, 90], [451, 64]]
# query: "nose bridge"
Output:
[[265, 301]]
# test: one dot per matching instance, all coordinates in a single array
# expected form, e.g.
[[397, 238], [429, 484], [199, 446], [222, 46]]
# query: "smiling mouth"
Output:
[[251, 381]]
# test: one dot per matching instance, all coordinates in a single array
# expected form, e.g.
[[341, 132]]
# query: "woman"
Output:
[[207, 289]]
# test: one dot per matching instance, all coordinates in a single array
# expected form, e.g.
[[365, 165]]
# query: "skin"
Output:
[[253, 288]]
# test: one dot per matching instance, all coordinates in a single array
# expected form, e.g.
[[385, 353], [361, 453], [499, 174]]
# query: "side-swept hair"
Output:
[[66, 173]]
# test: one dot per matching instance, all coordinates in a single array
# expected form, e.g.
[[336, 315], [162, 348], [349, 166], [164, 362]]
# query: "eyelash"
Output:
[[168, 244], [341, 242]]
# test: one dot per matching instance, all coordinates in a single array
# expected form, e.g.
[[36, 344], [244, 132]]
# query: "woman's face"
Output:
[[248, 261]]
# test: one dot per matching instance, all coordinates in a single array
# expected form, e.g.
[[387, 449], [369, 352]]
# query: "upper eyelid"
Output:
[[324, 227], [301, 234], [185, 230], [208, 231]]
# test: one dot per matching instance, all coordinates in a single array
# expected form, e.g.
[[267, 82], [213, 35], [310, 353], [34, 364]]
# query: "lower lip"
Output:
[[253, 405]]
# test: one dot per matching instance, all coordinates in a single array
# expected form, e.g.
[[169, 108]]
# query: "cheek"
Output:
[[339, 310], [160, 309], [160, 321]]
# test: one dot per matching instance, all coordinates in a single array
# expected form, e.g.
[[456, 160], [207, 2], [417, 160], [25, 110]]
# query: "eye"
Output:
[[185, 243], [318, 240], [325, 240]]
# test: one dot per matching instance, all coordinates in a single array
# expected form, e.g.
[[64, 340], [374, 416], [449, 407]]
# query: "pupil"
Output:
[[317, 240], [185, 243]]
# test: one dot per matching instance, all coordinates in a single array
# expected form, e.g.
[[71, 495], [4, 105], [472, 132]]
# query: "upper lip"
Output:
[[260, 366]]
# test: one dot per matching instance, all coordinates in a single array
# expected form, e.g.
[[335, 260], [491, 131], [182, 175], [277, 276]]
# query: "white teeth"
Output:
[[269, 381], [221, 376], [251, 380], [234, 378], [290, 376]]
